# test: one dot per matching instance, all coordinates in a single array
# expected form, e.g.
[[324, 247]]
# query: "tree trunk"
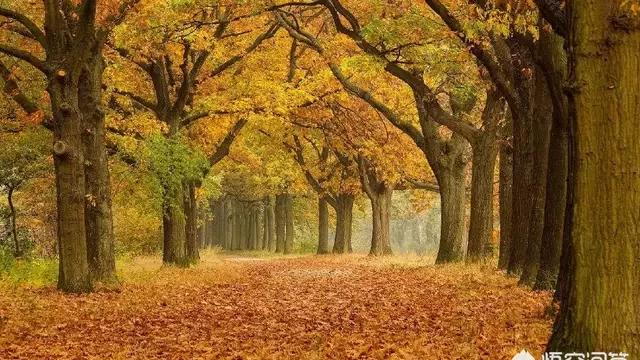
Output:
[[98, 214], [281, 222], [344, 221], [290, 229], [228, 227], [521, 208], [555, 208], [543, 117], [485, 152], [174, 227], [192, 247], [323, 226], [523, 150], [269, 225], [14, 227], [74, 273], [251, 225], [380, 209], [259, 221], [555, 64], [506, 203], [601, 309], [452, 197], [242, 227]]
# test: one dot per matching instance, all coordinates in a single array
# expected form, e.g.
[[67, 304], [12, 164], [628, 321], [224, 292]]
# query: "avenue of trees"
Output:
[[243, 122]]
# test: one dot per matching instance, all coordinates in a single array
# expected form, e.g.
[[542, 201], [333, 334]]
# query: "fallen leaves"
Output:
[[306, 308]]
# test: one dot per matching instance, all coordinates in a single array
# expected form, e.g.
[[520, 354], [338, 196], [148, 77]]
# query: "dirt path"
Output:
[[306, 308]]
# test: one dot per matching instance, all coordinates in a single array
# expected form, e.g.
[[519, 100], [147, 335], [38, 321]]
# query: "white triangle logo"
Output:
[[523, 355]]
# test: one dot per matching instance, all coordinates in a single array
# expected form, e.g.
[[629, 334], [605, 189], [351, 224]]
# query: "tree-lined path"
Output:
[[305, 307]]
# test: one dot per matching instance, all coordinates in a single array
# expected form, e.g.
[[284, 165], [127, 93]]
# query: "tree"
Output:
[[24, 158], [72, 39], [599, 310], [445, 156], [175, 90]]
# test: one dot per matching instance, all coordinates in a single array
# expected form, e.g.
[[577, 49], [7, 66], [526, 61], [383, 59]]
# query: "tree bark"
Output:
[[485, 152], [192, 246], [543, 117], [251, 225], [98, 214], [450, 174], [381, 211], [601, 309], [290, 229], [74, 273], [344, 221], [323, 226], [281, 222], [259, 221], [14, 227], [270, 243], [228, 227], [174, 227], [506, 200], [555, 64], [555, 207], [522, 173], [242, 227], [484, 146]]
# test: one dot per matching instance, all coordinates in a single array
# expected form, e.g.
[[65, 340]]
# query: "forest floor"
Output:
[[309, 307]]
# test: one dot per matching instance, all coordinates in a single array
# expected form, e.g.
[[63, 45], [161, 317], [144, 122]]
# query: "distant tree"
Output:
[[24, 157]]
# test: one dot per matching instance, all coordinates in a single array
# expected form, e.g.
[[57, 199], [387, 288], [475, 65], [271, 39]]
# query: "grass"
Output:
[[31, 272]]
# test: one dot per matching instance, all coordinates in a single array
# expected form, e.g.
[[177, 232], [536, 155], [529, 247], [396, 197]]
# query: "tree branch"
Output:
[[35, 31], [256, 43], [25, 56], [12, 89], [225, 146], [554, 12], [492, 66], [140, 100]]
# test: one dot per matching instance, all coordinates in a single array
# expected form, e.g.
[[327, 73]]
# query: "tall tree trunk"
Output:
[[484, 146], [522, 201], [344, 221], [251, 225], [259, 221], [242, 226], [506, 199], [14, 227], [601, 309], [485, 152], [290, 229], [323, 226], [174, 227], [192, 247], [523, 150], [451, 181], [555, 207], [381, 212], [98, 214], [228, 227], [555, 64], [269, 225], [281, 222], [543, 117], [68, 151], [265, 223]]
